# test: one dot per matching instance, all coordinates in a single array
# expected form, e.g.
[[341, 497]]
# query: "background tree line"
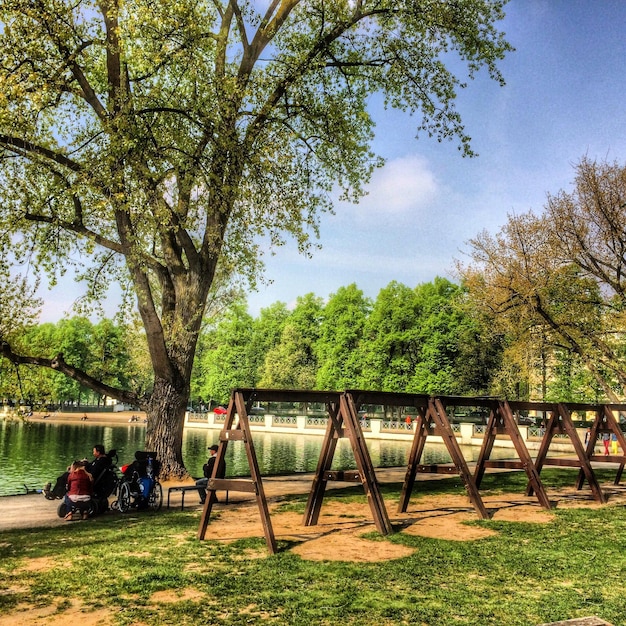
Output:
[[425, 340], [539, 315]]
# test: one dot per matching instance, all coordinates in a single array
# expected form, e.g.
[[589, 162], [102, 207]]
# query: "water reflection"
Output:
[[33, 453]]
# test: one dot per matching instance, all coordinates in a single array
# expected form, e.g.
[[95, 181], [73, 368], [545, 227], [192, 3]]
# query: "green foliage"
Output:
[[103, 349], [341, 331], [425, 340], [390, 348], [292, 363], [440, 322], [228, 362]]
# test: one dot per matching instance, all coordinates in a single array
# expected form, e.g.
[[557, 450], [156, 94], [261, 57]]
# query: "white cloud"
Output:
[[398, 188]]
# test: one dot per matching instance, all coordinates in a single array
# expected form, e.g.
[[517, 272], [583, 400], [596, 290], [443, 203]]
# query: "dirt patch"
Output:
[[24, 615], [42, 564], [450, 526], [339, 533], [170, 596], [349, 546]]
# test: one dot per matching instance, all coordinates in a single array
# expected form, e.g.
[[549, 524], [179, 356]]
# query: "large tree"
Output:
[[555, 282], [341, 329], [158, 139]]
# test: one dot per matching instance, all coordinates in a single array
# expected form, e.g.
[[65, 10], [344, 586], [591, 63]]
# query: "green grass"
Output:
[[525, 575]]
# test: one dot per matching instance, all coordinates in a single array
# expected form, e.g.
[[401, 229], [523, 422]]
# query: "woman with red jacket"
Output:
[[79, 488]]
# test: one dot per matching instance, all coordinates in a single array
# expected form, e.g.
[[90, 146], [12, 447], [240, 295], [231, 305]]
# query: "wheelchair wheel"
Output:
[[156, 497], [124, 498], [62, 510]]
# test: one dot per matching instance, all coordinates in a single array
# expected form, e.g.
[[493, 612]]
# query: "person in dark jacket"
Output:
[[207, 470]]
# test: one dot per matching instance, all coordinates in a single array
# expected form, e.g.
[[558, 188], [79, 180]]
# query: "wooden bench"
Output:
[[183, 490]]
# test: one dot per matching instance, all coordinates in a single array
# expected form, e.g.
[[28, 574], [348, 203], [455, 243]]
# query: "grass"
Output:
[[525, 575]]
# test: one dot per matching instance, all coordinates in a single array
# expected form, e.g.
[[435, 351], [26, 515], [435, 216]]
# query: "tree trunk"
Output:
[[164, 434]]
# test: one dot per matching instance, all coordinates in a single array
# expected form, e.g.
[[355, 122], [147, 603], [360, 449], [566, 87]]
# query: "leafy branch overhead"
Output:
[[149, 142]]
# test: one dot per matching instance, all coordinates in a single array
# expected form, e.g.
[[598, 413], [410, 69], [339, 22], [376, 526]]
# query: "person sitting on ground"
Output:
[[99, 464], [207, 470], [79, 488]]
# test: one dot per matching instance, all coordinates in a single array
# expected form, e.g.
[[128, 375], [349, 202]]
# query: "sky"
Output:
[[564, 99]]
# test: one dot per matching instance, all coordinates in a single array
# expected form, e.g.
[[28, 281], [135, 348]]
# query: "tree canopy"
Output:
[[554, 282], [160, 143]]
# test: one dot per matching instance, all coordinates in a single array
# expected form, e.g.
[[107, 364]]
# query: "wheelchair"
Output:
[[140, 487]]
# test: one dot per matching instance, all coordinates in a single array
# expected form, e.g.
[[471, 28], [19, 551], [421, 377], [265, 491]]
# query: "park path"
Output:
[[34, 511]]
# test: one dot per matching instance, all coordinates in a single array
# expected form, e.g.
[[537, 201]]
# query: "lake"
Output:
[[32, 453]]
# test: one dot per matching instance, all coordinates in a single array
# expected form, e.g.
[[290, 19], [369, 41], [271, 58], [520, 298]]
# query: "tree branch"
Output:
[[58, 364], [21, 146]]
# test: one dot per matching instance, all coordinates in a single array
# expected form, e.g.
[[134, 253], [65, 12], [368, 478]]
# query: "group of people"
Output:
[[80, 482], [609, 440]]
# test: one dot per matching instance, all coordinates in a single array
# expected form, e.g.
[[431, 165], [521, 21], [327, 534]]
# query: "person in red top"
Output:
[[79, 488]]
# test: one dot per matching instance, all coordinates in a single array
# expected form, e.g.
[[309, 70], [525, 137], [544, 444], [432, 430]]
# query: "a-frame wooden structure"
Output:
[[238, 432], [605, 422], [560, 423], [431, 420], [343, 420], [502, 422], [342, 409]]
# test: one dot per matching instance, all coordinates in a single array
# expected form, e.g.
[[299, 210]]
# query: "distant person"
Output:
[[614, 443], [207, 470], [606, 440]]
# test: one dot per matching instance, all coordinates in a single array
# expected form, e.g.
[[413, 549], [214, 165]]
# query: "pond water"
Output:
[[33, 453]]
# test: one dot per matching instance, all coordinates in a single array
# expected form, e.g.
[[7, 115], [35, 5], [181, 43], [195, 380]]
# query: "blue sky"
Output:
[[564, 99]]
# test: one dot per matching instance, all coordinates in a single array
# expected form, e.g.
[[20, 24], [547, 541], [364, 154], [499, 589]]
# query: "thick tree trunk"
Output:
[[164, 434]]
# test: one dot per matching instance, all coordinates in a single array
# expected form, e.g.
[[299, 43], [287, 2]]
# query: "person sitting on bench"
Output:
[[207, 470]]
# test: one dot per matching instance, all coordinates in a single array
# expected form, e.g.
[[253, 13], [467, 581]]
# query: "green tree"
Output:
[[479, 345], [152, 143], [441, 323], [229, 360], [111, 359], [103, 348], [35, 384], [292, 363], [343, 322], [266, 333], [389, 351]]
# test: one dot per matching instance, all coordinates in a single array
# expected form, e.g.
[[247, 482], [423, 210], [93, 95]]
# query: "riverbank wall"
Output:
[[466, 433], [373, 428]]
